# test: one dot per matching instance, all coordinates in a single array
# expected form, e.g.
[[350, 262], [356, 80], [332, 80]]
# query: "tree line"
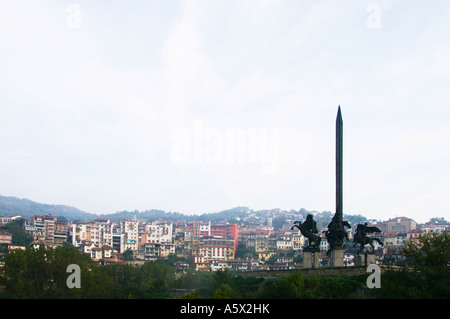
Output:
[[42, 273]]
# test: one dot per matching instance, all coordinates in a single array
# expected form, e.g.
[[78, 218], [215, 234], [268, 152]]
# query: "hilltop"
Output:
[[26, 208]]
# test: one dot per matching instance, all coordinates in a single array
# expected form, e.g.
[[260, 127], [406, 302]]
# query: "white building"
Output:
[[101, 232], [285, 243], [131, 234], [8, 219], [159, 232], [153, 251]]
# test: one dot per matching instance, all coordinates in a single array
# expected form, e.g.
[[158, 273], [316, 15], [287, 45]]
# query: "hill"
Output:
[[26, 208], [155, 214]]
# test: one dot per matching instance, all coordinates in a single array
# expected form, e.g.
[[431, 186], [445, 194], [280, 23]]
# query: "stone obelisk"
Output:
[[339, 166], [336, 233]]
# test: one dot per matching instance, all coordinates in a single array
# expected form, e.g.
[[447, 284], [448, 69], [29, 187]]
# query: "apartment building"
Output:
[[210, 249], [83, 232], [99, 233], [158, 232], [130, 229], [8, 219], [285, 243], [203, 228], [43, 227], [47, 229], [128, 234], [434, 228], [414, 236], [393, 242], [211, 241], [5, 237], [247, 238], [61, 231], [227, 231], [262, 241], [154, 251], [217, 248], [105, 230], [298, 241], [400, 224], [99, 253]]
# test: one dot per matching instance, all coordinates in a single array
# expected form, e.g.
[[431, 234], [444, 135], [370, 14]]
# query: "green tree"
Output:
[[279, 221], [224, 292], [431, 254], [438, 220], [128, 255], [244, 252], [426, 273], [221, 277], [289, 287], [19, 235], [126, 279], [271, 260], [157, 278], [42, 273]]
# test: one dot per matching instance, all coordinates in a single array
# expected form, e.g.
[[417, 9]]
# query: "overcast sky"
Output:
[[200, 106]]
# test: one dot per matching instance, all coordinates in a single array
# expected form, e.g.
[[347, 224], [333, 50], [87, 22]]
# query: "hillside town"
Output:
[[256, 242]]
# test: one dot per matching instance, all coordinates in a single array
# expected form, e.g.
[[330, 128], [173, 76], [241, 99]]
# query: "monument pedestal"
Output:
[[337, 257], [311, 258], [365, 259]]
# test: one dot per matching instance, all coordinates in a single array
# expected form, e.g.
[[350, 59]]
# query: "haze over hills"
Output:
[[26, 208], [10, 206]]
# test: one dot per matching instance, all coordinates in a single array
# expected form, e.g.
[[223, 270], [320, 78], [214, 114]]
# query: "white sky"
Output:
[[123, 105]]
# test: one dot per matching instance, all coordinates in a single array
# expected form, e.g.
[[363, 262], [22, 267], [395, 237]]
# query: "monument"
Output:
[[312, 251], [366, 257], [336, 232]]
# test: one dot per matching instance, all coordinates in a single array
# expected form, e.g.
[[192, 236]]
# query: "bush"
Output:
[[42, 273]]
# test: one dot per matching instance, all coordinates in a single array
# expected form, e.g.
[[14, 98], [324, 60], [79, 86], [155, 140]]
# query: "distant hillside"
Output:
[[229, 215], [27, 208]]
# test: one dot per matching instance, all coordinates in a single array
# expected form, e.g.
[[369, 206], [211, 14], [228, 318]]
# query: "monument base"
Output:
[[337, 257], [365, 259], [311, 258]]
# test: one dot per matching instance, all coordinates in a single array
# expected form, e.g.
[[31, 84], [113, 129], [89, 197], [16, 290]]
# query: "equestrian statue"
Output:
[[309, 229], [362, 238]]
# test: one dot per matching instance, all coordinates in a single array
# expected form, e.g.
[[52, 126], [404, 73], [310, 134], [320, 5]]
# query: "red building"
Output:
[[203, 229], [226, 231], [5, 237]]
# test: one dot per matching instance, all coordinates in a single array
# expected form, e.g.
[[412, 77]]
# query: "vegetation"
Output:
[[26, 208], [42, 273], [243, 252], [10, 206], [431, 255], [17, 230]]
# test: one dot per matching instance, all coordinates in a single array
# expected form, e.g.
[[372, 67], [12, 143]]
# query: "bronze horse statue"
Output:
[[336, 233], [362, 238], [309, 229]]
